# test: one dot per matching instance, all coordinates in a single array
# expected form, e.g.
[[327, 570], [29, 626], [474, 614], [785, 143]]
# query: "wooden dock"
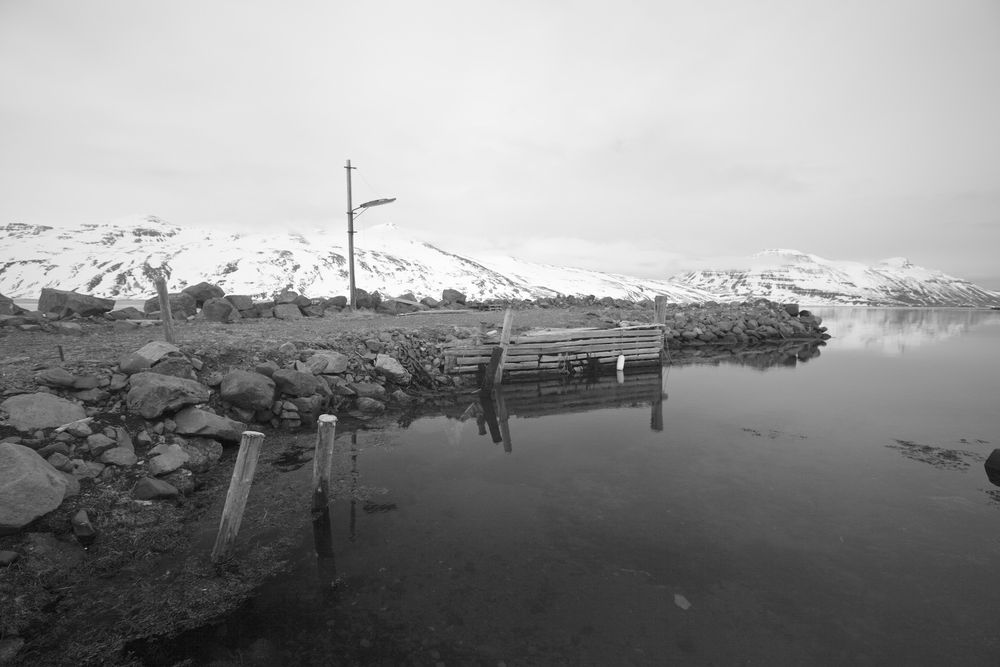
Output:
[[564, 351]]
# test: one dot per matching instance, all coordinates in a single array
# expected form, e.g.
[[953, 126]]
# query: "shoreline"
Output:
[[61, 583]]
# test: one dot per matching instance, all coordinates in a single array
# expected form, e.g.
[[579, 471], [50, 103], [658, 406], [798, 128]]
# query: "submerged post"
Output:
[[165, 316], [326, 433], [236, 497]]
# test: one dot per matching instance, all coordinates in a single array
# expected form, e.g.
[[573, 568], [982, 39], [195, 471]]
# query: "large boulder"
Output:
[[392, 369], [152, 394], [147, 355], [287, 296], [181, 305], [203, 291], [30, 412], [8, 307], [192, 421], [220, 310], [29, 487], [287, 311], [63, 303], [203, 453], [245, 389], [240, 301], [327, 363], [452, 296], [298, 383]]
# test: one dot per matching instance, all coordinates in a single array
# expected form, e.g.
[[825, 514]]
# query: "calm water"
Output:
[[832, 511]]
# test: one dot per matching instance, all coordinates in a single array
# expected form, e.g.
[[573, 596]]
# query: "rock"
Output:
[[370, 405], [220, 310], [182, 305], [337, 302], [87, 469], [203, 292], [83, 529], [392, 369], [152, 394], [368, 390], [8, 558], [67, 328], [60, 462], [267, 368], [287, 311], [119, 456], [992, 465], [203, 453], [792, 309], [298, 383], [244, 389], [63, 303], [9, 648], [328, 363], [181, 479], [401, 397], [79, 429], [92, 396], [29, 487], [147, 355], [8, 307], [287, 296], [127, 313], [148, 488], [452, 296], [171, 458], [192, 421], [240, 301], [55, 377], [53, 448], [288, 349], [180, 367], [430, 302], [30, 412]]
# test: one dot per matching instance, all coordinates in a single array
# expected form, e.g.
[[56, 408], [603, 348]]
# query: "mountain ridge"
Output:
[[119, 258]]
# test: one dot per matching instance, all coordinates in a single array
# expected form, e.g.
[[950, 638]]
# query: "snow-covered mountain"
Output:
[[117, 260], [793, 276]]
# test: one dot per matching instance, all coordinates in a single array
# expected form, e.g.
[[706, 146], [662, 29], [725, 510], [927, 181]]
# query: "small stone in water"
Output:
[[681, 601]]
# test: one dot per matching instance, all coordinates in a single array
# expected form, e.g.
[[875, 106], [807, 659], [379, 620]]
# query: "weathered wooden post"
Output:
[[508, 321], [326, 433], [236, 497], [165, 316], [660, 312]]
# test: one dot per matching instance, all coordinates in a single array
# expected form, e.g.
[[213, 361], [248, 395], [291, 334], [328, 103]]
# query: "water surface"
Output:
[[829, 509]]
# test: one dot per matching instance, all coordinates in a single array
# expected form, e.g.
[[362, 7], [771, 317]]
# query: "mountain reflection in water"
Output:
[[892, 331]]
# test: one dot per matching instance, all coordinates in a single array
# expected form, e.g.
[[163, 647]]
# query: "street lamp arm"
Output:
[[375, 202]]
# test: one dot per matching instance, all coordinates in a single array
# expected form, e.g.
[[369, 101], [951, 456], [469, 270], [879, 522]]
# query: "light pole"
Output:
[[350, 229]]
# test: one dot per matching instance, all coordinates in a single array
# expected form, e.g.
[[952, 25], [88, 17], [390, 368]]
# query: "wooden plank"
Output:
[[556, 348], [239, 490]]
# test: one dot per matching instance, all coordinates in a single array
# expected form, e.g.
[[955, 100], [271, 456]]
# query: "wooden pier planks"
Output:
[[558, 349]]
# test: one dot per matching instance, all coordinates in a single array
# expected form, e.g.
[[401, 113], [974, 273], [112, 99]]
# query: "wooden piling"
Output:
[[508, 321], [165, 315], [239, 490], [326, 433], [660, 313]]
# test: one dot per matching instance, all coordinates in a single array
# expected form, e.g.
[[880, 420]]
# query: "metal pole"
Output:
[[350, 237]]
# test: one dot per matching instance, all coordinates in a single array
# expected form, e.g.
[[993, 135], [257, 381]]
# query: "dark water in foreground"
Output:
[[828, 512]]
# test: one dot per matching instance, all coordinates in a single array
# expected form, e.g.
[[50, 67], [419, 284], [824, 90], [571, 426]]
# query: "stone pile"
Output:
[[740, 324], [181, 414]]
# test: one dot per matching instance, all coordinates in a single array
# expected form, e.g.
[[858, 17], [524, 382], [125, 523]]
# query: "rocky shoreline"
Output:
[[113, 457]]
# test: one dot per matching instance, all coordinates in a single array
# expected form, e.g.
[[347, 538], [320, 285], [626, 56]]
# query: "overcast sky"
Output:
[[638, 137]]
